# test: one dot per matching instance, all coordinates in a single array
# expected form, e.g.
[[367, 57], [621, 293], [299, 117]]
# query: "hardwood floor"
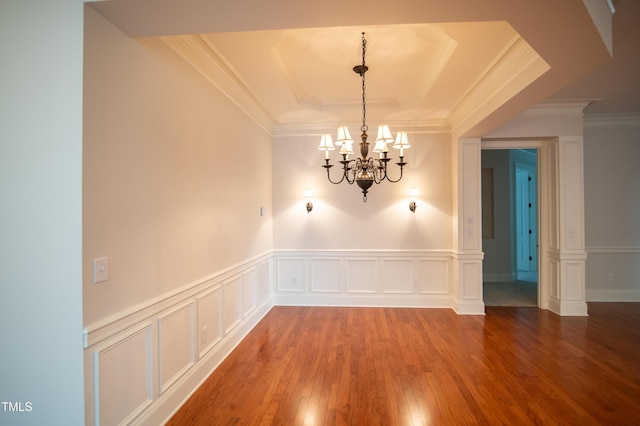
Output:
[[377, 366]]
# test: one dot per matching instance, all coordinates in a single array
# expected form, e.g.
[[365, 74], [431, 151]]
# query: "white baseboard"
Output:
[[596, 295], [164, 408], [178, 339], [385, 301]]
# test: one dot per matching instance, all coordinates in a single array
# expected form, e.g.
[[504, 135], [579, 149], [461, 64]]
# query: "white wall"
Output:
[[174, 175], [348, 252], [340, 220], [40, 212], [612, 209]]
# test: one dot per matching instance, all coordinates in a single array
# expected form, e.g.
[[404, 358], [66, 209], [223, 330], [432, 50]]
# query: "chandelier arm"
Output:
[[365, 170], [335, 182], [328, 167], [401, 164], [352, 172]]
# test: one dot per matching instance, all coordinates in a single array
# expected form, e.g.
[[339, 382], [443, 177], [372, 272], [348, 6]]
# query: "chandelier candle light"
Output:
[[365, 171]]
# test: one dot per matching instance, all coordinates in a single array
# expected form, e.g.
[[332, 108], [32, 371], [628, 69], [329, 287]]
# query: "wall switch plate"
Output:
[[100, 269]]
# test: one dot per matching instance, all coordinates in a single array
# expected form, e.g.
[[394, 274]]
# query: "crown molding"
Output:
[[515, 67], [558, 108], [612, 120], [201, 54], [412, 127]]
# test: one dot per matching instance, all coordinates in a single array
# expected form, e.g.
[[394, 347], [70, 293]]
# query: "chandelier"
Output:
[[365, 171]]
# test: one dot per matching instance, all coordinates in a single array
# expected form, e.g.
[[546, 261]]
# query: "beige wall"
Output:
[[174, 175], [340, 219], [612, 210]]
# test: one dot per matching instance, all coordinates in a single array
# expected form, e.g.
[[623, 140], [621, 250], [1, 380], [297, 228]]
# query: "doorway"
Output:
[[510, 227]]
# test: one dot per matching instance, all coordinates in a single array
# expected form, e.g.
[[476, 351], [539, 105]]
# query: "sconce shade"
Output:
[[308, 194], [412, 203]]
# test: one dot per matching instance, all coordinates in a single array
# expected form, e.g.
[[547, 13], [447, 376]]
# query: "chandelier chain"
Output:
[[365, 171], [364, 126]]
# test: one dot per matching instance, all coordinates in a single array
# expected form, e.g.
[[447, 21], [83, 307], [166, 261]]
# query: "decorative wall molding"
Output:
[[200, 53], [613, 295], [140, 366], [613, 274], [390, 278], [612, 120], [613, 250], [514, 68]]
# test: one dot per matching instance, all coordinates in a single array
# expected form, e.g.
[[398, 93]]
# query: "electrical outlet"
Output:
[[610, 277]]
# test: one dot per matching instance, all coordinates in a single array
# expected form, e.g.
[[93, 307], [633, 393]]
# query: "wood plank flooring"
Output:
[[377, 366]]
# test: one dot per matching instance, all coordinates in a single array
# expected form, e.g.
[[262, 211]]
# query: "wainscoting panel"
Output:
[[232, 303], [574, 276], [176, 346], [290, 274], [434, 276], [417, 278], [554, 279], [325, 275], [142, 364], [361, 275], [249, 291], [209, 320], [613, 274], [264, 283], [397, 276], [471, 281], [123, 376]]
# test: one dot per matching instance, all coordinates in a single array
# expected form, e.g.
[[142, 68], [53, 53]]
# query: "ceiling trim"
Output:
[[558, 108], [612, 120], [412, 127], [206, 59], [517, 66]]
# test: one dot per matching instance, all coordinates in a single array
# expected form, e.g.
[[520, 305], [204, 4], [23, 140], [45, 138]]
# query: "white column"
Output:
[[567, 256], [467, 228]]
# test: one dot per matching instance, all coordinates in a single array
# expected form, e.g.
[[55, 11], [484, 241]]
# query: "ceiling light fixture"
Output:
[[365, 171]]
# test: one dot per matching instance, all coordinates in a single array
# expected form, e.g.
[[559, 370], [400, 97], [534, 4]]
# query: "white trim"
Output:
[[113, 324], [144, 327], [613, 250], [164, 398], [365, 300], [616, 295], [611, 120]]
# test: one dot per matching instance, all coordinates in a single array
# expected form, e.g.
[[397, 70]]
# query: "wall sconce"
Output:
[[412, 204], [307, 195]]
